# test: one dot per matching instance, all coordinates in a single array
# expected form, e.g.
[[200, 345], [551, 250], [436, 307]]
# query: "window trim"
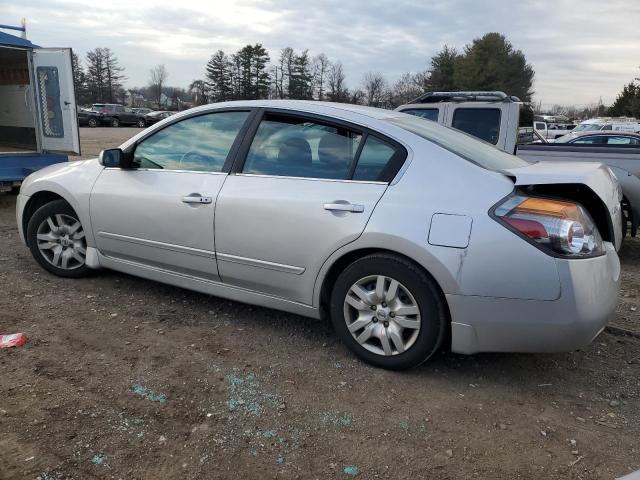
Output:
[[401, 157], [499, 110]]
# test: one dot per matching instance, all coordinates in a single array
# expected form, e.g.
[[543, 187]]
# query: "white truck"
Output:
[[494, 117], [38, 123]]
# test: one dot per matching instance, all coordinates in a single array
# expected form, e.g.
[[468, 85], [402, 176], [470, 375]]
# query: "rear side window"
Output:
[[288, 146], [539, 126], [483, 123], [377, 157], [426, 113], [622, 141], [199, 144]]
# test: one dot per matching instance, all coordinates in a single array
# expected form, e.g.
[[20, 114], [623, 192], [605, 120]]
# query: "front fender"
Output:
[[73, 181]]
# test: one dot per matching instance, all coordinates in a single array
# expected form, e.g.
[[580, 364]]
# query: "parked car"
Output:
[[601, 137], [142, 111], [155, 117], [407, 234], [110, 114]]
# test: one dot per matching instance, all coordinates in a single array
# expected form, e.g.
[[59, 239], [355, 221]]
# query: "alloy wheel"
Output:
[[61, 242], [382, 315]]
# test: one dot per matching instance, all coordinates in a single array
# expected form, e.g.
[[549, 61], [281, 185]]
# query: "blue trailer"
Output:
[[38, 119]]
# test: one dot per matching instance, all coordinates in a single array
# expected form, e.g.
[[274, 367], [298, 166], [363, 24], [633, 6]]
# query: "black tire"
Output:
[[433, 313], [93, 122], [115, 123], [48, 210], [142, 123]]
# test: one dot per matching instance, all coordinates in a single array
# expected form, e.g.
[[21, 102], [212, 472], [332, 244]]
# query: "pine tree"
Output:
[[218, 77]]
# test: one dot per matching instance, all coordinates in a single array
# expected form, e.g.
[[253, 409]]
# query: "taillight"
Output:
[[559, 226]]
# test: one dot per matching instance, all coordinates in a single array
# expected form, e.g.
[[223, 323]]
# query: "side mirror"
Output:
[[114, 158]]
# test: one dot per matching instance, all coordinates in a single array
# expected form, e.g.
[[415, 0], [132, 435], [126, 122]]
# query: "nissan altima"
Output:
[[408, 235]]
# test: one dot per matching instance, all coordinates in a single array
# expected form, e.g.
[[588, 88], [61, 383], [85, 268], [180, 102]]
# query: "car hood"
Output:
[[597, 176]]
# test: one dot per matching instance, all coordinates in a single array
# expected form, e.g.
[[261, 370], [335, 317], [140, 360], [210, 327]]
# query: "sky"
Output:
[[581, 50]]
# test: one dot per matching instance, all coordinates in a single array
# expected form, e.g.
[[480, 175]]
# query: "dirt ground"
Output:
[[124, 378]]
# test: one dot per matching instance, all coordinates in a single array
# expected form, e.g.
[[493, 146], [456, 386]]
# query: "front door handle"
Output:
[[344, 207], [196, 199]]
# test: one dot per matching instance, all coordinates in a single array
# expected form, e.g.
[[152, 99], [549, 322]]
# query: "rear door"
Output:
[[55, 100], [307, 186]]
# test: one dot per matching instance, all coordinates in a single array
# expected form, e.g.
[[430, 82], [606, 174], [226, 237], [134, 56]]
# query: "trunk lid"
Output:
[[595, 176]]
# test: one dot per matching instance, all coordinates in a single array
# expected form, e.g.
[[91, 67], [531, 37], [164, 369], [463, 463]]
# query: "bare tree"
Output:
[[157, 79], [321, 66], [375, 89], [406, 88], [337, 90]]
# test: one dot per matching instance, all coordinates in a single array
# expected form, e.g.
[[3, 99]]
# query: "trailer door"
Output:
[[55, 100]]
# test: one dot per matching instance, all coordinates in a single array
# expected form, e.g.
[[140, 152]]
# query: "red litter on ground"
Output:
[[13, 340]]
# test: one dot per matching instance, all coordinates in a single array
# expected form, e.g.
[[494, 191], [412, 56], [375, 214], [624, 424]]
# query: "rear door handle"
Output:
[[344, 207], [196, 199]]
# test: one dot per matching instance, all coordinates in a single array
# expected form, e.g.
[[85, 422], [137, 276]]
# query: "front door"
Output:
[[160, 212], [307, 187]]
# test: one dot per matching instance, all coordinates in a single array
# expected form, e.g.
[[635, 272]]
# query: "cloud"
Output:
[[581, 51]]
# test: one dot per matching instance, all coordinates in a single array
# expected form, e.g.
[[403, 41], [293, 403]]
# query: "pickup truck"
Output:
[[111, 115], [551, 131], [495, 117]]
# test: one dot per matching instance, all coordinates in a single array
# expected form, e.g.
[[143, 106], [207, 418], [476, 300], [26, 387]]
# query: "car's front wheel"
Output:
[[93, 123], [57, 240], [388, 311]]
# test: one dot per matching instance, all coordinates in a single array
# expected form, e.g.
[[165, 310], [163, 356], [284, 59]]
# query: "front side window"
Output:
[[483, 123], [594, 140], [426, 113], [199, 144], [289, 146]]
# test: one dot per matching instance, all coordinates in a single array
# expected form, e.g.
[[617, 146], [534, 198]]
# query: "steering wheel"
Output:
[[198, 157]]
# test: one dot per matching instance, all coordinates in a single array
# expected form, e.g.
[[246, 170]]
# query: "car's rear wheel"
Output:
[[57, 240], [93, 123], [115, 122], [141, 123], [388, 311]]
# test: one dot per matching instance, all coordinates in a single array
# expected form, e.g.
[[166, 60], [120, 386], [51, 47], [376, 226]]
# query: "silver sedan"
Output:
[[408, 235]]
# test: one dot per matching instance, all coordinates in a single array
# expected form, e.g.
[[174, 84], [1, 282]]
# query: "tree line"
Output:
[[487, 63], [627, 103]]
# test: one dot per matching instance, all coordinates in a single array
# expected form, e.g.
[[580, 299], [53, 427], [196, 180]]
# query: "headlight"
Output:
[[560, 227]]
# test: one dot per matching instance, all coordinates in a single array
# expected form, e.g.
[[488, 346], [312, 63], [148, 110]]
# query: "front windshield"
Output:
[[468, 147], [587, 127]]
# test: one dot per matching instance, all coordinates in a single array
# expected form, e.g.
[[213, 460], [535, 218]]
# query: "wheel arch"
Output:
[[36, 201], [339, 264]]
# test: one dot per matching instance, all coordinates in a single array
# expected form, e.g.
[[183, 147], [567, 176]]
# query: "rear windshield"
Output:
[[468, 147]]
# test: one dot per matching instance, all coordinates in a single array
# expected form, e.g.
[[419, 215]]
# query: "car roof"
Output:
[[617, 133], [328, 108]]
